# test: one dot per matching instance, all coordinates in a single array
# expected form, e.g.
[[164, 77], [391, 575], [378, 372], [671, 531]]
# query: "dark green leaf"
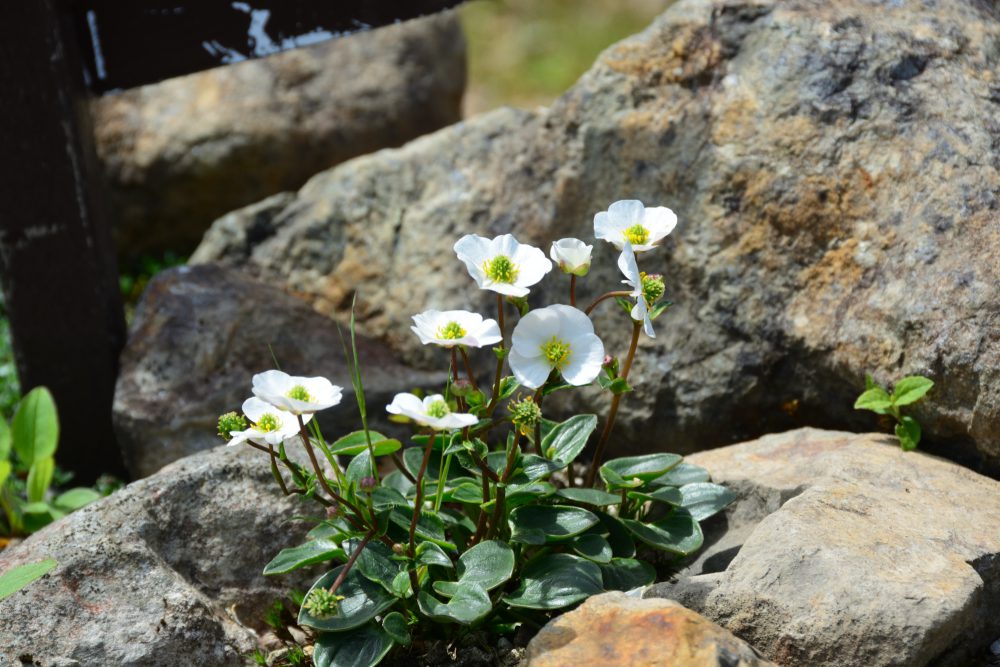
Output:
[[468, 604], [363, 600], [310, 553], [364, 647], [359, 467], [355, 443], [536, 467], [384, 497], [555, 522], [376, 563], [487, 564], [555, 581], [395, 626], [704, 499], [620, 539], [401, 586], [594, 497], [396, 481], [644, 468], [429, 527], [908, 432], [910, 389], [429, 553], [681, 474], [618, 385], [566, 440], [413, 457], [661, 494], [592, 547], [18, 577], [76, 498], [876, 399], [519, 494], [624, 574], [679, 533], [36, 427], [470, 494], [508, 386]]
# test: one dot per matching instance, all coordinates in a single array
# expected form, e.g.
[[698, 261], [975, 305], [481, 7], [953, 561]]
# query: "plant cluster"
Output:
[[907, 391], [28, 469], [483, 524]]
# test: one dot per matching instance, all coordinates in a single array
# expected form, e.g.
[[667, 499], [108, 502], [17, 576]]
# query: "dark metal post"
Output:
[[56, 261]]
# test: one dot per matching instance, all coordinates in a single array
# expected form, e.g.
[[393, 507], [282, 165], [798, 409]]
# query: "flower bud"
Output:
[[321, 603], [334, 511], [652, 287], [366, 484], [610, 366], [229, 422], [461, 388], [398, 549], [572, 256]]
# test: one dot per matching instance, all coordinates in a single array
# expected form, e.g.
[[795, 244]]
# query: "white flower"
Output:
[[432, 411], [555, 338], [270, 426], [502, 264], [629, 267], [572, 256], [298, 395], [628, 220], [449, 328]]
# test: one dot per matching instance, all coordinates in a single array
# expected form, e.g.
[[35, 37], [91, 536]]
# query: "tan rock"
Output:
[[614, 630]]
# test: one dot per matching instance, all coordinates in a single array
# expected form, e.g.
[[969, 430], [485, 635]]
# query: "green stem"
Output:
[[495, 398], [418, 502], [604, 296], [441, 480], [613, 412]]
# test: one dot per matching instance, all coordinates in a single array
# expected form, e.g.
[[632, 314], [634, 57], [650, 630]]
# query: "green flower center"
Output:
[[268, 423], [637, 234], [556, 352], [500, 269], [451, 331], [437, 409], [652, 288], [299, 393]]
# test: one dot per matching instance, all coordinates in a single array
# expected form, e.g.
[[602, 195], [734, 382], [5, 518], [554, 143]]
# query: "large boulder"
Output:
[[613, 629], [843, 550], [836, 184], [180, 153], [199, 335], [165, 572]]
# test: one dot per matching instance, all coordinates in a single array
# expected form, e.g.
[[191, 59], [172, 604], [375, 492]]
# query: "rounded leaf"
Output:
[[681, 474], [566, 440], [468, 604], [704, 499], [551, 523], [310, 553], [356, 442], [911, 389], [555, 581], [363, 600], [592, 547], [679, 533], [394, 625], [645, 468], [594, 497], [36, 426], [361, 648], [624, 574], [487, 564], [76, 498]]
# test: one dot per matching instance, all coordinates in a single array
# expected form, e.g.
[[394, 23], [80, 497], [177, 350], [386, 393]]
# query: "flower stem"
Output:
[[572, 289], [468, 368], [350, 561], [418, 501], [495, 398], [275, 471], [613, 412], [498, 508], [606, 295]]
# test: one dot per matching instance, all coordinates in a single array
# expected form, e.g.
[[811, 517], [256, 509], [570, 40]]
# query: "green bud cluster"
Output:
[[229, 422], [321, 603], [652, 288], [525, 414]]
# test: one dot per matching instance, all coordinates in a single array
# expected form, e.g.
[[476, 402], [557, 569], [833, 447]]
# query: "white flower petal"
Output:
[[573, 322], [255, 408], [571, 255], [626, 213], [660, 221], [506, 245], [486, 333], [506, 288], [535, 328], [531, 372], [605, 229], [405, 404], [629, 267], [585, 361], [532, 265]]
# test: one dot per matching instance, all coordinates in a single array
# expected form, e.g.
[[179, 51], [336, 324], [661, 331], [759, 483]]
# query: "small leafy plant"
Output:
[[27, 468], [483, 524], [18, 577], [907, 391]]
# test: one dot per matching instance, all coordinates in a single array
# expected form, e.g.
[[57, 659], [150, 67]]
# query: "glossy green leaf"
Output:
[[552, 522], [679, 533], [566, 440], [704, 499], [594, 497], [18, 577], [624, 574], [555, 581], [365, 647], [908, 432], [876, 399], [376, 562], [487, 565], [429, 527], [401, 586], [384, 497], [911, 389], [644, 468], [470, 494], [520, 494], [413, 457], [76, 498], [39, 478], [618, 536], [394, 625], [681, 474], [508, 386], [469, 604], [398, 482], [359, 468], [592, 547], [310, 553], [363, 600], [536, 467], [429, 553], [670, 495], [36, 427], [355, 443]]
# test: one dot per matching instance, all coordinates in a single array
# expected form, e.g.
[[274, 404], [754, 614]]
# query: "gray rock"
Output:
[[836, 186], [165, 572], [843, 550], [180, 153], [199, 335]]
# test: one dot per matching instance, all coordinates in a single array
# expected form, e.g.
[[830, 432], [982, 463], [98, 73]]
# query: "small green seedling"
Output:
[[907, 391]]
